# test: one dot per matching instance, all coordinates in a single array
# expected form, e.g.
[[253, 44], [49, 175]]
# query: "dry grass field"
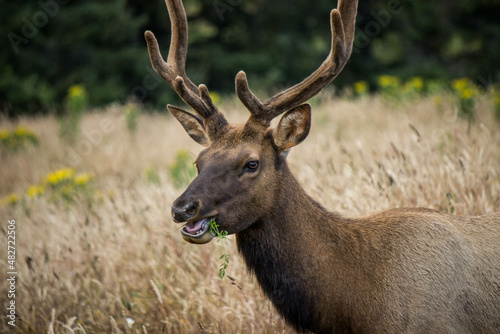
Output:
[[113, 261]]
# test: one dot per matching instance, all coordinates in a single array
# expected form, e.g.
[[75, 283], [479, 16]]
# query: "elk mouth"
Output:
[[197, 232]]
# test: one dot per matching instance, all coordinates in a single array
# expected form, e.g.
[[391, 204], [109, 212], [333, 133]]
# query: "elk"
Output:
[[407, 270]]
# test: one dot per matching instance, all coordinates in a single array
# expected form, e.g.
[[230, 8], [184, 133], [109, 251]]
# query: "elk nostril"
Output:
[[182, 213], [191, 209]]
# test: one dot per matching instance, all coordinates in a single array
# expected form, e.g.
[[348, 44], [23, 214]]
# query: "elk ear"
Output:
[[293, 127], [192, 124]]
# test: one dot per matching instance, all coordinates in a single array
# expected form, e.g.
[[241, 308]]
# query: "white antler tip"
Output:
[[241, 75]]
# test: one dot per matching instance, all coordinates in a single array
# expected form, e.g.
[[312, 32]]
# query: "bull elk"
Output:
[[410, 270]]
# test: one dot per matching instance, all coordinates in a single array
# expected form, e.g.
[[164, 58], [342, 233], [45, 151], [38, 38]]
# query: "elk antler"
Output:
[[174, 73], [342, 21]]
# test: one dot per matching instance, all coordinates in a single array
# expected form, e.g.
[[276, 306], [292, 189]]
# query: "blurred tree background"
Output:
[[50, 45]]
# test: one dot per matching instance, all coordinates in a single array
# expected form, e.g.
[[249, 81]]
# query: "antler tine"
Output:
[[249, 100], [348, 10], [173, 71], [342, 21]]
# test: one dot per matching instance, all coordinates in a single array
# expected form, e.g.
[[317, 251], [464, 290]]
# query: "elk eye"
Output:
[[252, 166]]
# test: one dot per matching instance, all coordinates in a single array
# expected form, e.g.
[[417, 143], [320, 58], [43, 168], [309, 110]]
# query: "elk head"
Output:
[[241, 169]]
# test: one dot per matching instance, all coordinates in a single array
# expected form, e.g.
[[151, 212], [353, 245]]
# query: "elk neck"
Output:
[[292, 251]]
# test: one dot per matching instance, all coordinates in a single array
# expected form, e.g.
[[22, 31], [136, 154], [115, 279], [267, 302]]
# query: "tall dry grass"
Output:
[[87, 267]]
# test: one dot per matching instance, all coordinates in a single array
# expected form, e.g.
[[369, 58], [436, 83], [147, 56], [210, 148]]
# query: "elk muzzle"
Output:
[[196, 230]]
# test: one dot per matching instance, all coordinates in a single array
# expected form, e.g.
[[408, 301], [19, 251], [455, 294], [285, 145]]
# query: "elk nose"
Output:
[[185, 212]]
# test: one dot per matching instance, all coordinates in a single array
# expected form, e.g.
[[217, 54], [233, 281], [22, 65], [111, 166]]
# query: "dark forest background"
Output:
[[49, 45]]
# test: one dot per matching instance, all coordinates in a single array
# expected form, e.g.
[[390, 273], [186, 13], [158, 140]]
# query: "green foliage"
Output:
[[436, 87], [360, 88], [95, 43], [100, 44], [132, 113], [388, 49], [221, 236], [20, 137], [182, 170], [412, 88], [152, 175], [77, 102], [465, 93], [390, 87]]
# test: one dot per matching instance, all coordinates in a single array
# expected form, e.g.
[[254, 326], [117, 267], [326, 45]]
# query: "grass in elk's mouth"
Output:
[[221, 236]]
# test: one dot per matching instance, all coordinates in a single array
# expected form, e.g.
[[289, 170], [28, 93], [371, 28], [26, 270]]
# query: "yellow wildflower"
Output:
[[35, 191], [83, 179], [76, 91], [59, 176], [21, 131], [360, 87], [4, 134], [19, 137], [466, 93], [10, 199], [387, 81], [417, 83], [461, 84]]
